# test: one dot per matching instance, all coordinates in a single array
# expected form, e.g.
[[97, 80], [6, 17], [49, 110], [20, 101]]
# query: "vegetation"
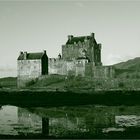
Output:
[[78, 83], [72, 83], [31, 82], [129, 69], [8, 82]]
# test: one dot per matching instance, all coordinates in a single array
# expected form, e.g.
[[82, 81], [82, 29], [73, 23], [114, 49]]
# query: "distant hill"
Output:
[[133, 64], [128, 69]]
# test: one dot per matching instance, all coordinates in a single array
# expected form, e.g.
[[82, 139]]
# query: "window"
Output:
[[79, 62]]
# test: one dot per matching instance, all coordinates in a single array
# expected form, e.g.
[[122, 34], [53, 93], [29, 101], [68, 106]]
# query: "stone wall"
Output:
[[71, 69], [62, 67], [103, 72], [28, 70], [99, 71], [73, 51], [57, 66], [80, 67]]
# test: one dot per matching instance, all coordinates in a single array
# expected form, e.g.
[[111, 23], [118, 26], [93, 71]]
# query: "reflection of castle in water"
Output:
[[68, 121], [29, 122], [62, 122], [65, 121]]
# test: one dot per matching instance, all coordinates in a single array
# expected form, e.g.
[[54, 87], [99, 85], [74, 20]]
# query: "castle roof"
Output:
[[77, 39], [31, 56]]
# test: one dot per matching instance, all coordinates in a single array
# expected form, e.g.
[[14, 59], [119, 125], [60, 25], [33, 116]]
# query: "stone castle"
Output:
[[80, 56]]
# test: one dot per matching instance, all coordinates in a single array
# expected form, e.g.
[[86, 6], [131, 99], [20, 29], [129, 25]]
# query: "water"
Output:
[[76, 122], [15, 121]]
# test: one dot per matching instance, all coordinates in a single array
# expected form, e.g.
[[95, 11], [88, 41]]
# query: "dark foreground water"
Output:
[[71, 122]]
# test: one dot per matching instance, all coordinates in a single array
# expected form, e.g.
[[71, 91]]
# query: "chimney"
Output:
[[92, 35], [25, 55], [70, 37], [44, 51], [21, 52]]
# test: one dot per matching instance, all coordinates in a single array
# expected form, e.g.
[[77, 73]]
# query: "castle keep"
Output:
[[80, 56], [82, 47]]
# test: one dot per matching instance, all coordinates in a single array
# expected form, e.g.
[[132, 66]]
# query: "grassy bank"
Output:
[[72, 84], [8, 82]]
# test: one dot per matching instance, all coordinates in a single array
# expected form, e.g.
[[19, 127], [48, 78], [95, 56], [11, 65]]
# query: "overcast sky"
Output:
[[34, 26]]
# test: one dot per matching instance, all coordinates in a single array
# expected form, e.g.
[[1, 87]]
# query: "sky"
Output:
[[37, 25]]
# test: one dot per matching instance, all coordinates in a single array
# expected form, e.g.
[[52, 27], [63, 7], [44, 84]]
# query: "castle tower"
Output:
[[82, 47]]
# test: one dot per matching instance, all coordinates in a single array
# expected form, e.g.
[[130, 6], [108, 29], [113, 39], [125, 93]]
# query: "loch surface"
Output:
[[87, 121]]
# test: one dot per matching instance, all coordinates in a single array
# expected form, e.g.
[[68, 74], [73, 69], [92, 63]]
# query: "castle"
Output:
[[80, 56]]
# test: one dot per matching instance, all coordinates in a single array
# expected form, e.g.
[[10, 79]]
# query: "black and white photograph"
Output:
[[69, 69]]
